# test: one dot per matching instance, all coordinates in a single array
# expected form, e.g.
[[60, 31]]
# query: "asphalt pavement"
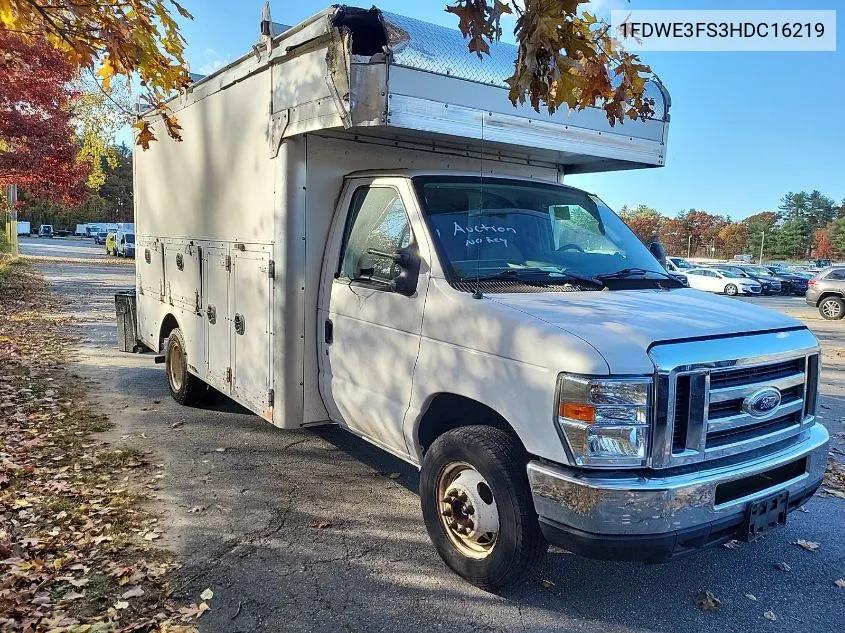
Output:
[[318, 531]]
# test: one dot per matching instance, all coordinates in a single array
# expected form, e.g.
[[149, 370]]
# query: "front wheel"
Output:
[[185, 388], [832, 308], [731, 290], [478, 508]]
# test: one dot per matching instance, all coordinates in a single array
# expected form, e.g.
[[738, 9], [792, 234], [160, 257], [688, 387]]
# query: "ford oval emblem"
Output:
[[762, 402]]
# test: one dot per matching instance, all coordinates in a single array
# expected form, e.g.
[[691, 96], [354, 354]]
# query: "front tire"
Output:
[[478, 508], [832, 308], [185, 388], [731, 290]]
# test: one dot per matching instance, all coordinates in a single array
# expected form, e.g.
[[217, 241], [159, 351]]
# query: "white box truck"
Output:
[[360, 229]]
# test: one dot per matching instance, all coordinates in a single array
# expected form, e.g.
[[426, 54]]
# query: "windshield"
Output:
[[485, 228], [681, 263], [130, 238]]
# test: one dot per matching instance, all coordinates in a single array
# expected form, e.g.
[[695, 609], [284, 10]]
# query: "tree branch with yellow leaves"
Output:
[[114, 38]]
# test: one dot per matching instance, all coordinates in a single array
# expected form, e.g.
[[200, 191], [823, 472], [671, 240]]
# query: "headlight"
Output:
[[605, 420]]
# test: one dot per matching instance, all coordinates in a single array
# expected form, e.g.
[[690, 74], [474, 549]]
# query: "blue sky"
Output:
[[746, 127]]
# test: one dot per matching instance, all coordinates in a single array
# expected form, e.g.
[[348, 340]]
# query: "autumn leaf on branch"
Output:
[[565, 57], [113, 39]]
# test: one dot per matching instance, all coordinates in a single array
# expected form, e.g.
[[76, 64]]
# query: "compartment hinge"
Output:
[[271, 397], [228, 262], [271, 269], [228, 374]]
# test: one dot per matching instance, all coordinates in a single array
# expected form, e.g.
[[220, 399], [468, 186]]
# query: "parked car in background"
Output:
[[826, 291], [796, 283], [46, 230], [769, 285], [715, 280], [111, 243], [678, 265], [680, 278], [125, 244], [100, 237]]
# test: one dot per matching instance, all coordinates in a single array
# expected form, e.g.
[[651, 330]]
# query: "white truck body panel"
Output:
[[24, 227]]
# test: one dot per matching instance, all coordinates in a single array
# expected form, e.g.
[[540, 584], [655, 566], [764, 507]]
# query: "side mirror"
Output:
[[659, 252], [408, 260]]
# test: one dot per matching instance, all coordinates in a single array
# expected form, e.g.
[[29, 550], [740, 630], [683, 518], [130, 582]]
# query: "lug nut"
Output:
[[462, 496], [447, 512], [469, 510]]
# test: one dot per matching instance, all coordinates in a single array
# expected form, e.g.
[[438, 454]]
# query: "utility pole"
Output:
[[762, 241], [689, 246]]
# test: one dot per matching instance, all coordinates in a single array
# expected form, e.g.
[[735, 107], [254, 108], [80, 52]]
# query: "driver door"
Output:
[[371, 333]]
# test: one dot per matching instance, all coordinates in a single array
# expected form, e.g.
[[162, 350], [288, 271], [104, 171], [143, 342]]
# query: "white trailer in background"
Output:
[[24, 227], [300, 252]]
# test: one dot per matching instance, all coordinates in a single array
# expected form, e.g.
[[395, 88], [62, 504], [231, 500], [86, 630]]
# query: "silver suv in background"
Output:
[[827, 292]]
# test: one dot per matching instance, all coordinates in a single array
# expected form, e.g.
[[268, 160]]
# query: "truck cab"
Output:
[[395, 252]]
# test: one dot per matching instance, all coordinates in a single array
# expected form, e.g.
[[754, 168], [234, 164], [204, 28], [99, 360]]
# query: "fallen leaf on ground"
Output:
[[810, 546], [121, 604], [840, 583], [751, 596], [770, 615], [134, 592], [706, 601], [547, 583], [732, 544], [321, 525], [220, 450], [151, 536], [783, 567], [196, 509], [208, 594]]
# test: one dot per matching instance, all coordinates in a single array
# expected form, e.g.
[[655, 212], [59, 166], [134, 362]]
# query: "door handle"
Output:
[[211, 313], [329, 331], [240, 325]]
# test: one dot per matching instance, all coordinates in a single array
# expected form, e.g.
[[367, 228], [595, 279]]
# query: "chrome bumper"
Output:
[[618, 503]]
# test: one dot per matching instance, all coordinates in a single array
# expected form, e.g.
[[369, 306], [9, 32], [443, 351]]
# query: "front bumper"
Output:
[[656, 517]]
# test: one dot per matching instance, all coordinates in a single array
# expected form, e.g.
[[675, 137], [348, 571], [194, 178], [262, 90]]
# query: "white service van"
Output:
[[360, 229]]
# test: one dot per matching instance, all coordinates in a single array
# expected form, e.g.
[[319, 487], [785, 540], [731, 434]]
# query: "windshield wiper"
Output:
[[537, 274], [630, 272]]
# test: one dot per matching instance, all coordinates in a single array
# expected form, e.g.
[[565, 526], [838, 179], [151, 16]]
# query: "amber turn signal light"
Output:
[[580, 412]]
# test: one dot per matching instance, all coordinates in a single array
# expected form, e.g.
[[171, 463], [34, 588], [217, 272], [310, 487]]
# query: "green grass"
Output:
[[121, 458]]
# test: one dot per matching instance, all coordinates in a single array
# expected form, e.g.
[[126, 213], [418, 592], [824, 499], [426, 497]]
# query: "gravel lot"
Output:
[[240, 501]]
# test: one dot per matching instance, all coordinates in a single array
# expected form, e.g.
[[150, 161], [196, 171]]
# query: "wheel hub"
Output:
[[468, 510], [831, 308], [176, 366]]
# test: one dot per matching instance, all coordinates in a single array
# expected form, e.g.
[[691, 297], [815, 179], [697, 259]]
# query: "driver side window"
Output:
[[377, 221]]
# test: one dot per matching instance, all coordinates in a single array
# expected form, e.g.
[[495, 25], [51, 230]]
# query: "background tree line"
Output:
[[111, 202], [805, 225]]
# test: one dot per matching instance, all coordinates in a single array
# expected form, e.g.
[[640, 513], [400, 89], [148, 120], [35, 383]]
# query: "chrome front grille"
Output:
[[700, 401]]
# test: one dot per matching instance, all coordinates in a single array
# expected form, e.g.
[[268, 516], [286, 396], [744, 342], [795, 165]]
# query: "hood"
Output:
[[623, 324]]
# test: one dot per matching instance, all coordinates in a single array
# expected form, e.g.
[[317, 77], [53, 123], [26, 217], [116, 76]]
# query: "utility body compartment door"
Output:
[[182, 275], [251, 295], [150, 267], [217, 329]]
